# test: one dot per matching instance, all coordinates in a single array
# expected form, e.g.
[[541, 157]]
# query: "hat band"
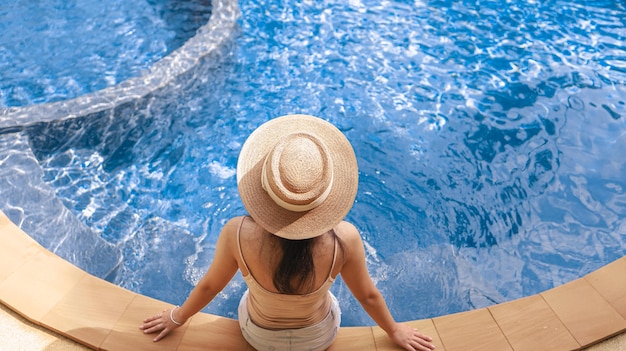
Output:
[[289, 206]]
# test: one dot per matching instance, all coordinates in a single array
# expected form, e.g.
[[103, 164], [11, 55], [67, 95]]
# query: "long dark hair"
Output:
[[295, 271]]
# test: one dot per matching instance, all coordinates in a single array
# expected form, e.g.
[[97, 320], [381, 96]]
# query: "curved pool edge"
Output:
[[52, 293], [33, 204], [210, 40]]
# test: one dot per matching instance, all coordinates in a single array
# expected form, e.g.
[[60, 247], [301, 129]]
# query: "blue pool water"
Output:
[[81, 46], [489, 138]]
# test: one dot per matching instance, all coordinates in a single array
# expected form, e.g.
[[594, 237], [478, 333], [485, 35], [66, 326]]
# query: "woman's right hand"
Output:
[[411, 339], [161, 323]]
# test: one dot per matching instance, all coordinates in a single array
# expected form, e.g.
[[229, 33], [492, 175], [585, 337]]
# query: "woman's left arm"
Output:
[[220, 272]]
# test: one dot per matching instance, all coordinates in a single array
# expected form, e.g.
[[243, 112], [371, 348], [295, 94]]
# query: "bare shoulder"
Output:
[[349, 234], [346, 227], [354, 268], [233, 224], [229, 230]]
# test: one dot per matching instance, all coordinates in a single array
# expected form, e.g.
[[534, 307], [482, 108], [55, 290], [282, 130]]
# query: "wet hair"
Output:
[[295, 272]]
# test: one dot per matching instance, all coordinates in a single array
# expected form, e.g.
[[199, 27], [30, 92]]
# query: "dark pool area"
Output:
[[488, 139]]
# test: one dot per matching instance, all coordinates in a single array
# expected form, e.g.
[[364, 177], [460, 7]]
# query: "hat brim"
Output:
[[271, 216]]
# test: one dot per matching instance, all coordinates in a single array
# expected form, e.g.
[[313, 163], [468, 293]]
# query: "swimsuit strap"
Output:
[[332, 266], [239, 245], [245, 265]]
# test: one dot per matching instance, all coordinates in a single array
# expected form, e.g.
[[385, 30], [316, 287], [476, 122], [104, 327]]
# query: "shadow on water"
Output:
[[183, 17]]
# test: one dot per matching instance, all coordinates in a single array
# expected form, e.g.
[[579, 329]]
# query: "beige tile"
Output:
[[89, 311], [587, 315], [607, 282], [425, 326], [38, 285], [209, 332], [472, 330], [126, 335], [616, 343], [18, 334], [354, 338], [17, 247], [530, 324]]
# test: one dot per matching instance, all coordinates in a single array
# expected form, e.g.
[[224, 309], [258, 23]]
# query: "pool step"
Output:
[[29, 201]]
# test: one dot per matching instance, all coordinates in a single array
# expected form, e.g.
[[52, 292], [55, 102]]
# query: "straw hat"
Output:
[[297, 176]]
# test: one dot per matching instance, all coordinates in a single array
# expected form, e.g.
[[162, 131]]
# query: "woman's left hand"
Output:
[[161, 322], [410, 339]]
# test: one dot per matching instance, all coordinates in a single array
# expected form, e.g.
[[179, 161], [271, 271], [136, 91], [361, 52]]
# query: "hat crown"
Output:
[[298, 172], [297, 176], [300, 165]]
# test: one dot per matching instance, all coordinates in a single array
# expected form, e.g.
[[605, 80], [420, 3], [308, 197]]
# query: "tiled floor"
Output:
[[542, 328], [50, 292], [587, 315]]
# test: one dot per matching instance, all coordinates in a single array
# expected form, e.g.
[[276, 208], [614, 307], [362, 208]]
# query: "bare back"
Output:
[[261, 252]]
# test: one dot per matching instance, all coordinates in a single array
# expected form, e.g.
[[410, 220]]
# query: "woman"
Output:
[[297, 177]]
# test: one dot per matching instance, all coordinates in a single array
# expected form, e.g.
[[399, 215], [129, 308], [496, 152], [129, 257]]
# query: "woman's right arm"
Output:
[[220, 272], [354, 273]]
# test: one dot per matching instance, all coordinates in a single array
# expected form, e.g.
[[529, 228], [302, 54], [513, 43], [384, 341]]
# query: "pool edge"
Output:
[[64, 305]]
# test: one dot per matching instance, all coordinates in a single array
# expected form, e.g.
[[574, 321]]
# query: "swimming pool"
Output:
[[83, 46], [488, 138]]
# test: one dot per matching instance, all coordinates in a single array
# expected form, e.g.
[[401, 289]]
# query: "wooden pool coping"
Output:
[[52, 293]]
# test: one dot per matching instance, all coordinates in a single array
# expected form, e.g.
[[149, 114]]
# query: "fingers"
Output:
[[422, 346], [411, 339], [162, 335], [152, 324], [151, 319], [152, 328], [421, 342], [158, 323], [155, 317], [423, 336]]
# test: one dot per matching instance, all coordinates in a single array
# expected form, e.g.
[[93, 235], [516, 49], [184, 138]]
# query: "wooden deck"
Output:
[[50, 292]]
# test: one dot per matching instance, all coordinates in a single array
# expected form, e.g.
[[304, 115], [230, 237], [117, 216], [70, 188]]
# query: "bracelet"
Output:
[[172, 316]]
